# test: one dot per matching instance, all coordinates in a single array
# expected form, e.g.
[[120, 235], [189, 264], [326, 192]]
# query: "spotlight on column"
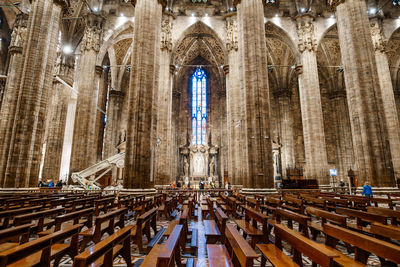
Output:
[[372, 11], [276, 15], [95, 8], [67, 49], [332, 16], [302, 10]]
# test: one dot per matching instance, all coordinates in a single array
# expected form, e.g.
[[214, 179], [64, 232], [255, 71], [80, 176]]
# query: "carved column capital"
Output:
[[378, 39], [19, 32], [305, 32], [334, 3], [93, 30], [231, 33], [282, 93], [340, 93], [64, 68], [166, 34]]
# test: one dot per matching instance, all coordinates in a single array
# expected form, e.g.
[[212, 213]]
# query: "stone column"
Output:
[[253, 52], [233, 97], [310, 102], [84, 146], [57, 117], [283, 98], [162, 166], [114, 113], [146, 46], [387, 95], [101, 86], [39, 57], [342, 129], [372, 154], [11, 91]]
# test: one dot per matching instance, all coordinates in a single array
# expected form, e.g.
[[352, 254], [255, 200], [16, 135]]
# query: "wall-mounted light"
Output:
[[67, 49]]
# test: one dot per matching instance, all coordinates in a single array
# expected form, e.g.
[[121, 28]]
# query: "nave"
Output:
[[199, 228]]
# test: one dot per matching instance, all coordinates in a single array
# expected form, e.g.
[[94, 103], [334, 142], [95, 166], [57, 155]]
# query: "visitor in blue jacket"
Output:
[[367, 190]]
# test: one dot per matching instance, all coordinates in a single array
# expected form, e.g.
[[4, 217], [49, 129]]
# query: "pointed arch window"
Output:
[[199, 107]]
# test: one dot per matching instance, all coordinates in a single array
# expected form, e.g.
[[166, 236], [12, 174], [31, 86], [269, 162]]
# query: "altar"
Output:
[[199, 163]]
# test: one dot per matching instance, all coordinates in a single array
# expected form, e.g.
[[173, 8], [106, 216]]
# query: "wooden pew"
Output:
[[270, 204], [42, 251], [168, 254], [214, 229], [8, 215], [250, 226], [14, 236], [104, 204], [44, 218], [293, 204], [143, 224], [362, 218], [300, 245], [289, 216], [324, 217], [107, 250], [387, 231], [84, 217], [314, 201], [235, 252], [105, 223], [394, 215], [363, 244]]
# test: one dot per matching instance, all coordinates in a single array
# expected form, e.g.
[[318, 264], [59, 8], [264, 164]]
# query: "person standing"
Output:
[[367, 190]]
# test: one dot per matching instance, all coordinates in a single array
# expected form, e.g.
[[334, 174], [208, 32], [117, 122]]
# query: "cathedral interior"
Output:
[[148, 93]]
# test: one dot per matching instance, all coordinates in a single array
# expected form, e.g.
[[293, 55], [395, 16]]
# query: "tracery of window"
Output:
[[199, 107]]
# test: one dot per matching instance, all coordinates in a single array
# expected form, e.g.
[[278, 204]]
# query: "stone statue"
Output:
[[122, 136], [212, 167], [186, 168]]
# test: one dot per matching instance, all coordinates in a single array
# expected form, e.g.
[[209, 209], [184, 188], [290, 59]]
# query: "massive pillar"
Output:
[[84, 146], [101, 86], [342, 130], [310, 102], [252, 48], [114, 113], [39, 57], [386, 93], [10, 98], [57, 117], [163, 150], [146, 45], [366, 111], [233, 97], [288, 160]]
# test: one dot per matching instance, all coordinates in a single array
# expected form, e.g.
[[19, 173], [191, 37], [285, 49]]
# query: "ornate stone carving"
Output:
[[166, 34], [231, 34], [65, 67], [378, 40], [334, 3], [19, 32], [305, 32], [92, 35]]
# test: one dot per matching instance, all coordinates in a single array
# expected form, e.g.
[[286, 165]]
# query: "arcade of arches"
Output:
[[218, 90]]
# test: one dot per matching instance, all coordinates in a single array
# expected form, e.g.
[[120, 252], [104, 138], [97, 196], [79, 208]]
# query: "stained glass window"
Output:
[[199, 107]]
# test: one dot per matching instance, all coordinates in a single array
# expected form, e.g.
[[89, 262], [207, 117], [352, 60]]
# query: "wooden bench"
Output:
[[105, 223], [8, 215], [42, 251], [324, 217], [393, 215], [293, 204], [290, 216], [104, 204], [235, 252], [143, 224], [270, 204], [84, 217], [250, 226], [363, 245], [104, 252], [362, 218], [214, 229], [300, 244], [43, 219], [167, 254], [14, 236], [386, 231]]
